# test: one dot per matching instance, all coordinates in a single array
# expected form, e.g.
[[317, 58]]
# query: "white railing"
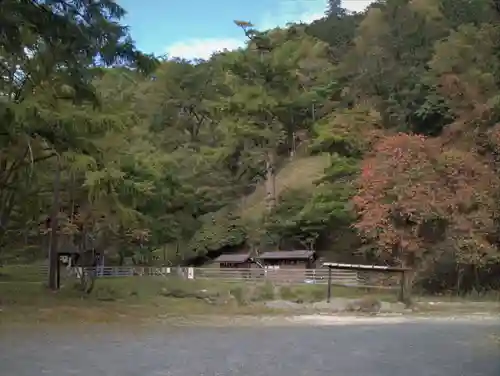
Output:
[[281, 275], [285, 275]]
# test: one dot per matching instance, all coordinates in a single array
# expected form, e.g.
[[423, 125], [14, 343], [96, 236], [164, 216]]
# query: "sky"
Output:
[[197, 28]]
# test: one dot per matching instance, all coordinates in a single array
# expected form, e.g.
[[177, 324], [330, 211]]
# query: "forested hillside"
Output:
[[370, 136]]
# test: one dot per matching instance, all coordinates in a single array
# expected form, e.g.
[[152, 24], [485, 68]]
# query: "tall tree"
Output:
[[48, 106], [415, 194]]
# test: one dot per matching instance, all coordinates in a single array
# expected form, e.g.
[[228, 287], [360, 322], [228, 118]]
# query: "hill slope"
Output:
[[300, 173], [230, 226]]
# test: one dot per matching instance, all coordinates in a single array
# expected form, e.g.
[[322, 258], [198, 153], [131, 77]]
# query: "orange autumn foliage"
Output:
[[415, 192]]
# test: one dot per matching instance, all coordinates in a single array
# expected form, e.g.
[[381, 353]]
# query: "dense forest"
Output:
[[366, 136]]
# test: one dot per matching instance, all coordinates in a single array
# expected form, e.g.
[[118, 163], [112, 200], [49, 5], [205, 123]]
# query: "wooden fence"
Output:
[[352, 278], [283, 275]]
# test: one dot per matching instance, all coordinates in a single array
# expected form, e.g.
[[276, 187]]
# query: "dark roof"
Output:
[[286, 255], [233, 258]]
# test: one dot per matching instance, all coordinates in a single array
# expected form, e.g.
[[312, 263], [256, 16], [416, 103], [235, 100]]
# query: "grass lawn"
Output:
[[25, 299], [141, 298]]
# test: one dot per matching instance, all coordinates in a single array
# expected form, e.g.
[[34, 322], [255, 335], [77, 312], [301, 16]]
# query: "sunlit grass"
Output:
[[301, 173], [142, 298], [138, 299]]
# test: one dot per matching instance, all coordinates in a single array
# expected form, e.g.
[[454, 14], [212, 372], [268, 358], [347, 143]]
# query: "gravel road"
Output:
[[410, 349]]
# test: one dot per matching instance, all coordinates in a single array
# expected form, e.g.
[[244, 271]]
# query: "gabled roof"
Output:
[[233, 258], [287, 255]]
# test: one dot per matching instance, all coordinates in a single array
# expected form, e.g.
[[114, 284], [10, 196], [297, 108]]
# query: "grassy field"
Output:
[[141, 298], [25, 299]]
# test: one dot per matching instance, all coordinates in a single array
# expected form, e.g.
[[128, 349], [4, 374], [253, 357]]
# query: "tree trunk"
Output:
[[458, 284], [121, 258], [270, 180], [408, 279], [54, 249]]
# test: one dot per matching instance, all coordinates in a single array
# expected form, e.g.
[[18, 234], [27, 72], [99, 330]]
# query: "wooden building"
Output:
[[235, 260], [289, 259]]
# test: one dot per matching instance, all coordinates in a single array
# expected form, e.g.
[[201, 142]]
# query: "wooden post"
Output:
[[54, 249], [406, 281], [402, 287], [58, 274], [329, 294], [405, 288]]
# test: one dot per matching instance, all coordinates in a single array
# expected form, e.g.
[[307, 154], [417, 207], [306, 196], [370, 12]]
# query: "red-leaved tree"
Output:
[[417, 196]]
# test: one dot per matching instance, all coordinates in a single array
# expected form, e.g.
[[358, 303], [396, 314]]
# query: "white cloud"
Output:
[[304, 11], [202, 48], [287, 11], [293, 11], [356, 5]]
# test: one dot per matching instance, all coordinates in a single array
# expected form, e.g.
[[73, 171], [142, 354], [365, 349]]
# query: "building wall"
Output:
[[291, 264], [238, 265], [290, 274], [244, 266]]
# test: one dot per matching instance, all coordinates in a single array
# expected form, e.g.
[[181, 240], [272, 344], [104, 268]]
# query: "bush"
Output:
[[265, 292], [310, 293], [238, 293], [287, 293]]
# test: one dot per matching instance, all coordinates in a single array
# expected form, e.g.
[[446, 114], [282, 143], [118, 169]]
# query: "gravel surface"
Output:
[[418, 348]]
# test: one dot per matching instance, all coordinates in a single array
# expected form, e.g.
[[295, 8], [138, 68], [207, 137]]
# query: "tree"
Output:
[[152, 155], [416, 194], [305, 219], [335, 9], [391, 48], [465, 70], [270, 82], [48, 50]]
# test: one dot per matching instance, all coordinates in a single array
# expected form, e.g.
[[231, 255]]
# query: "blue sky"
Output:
[[197, 28]]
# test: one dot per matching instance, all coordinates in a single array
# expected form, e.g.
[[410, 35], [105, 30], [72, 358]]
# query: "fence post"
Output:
[[405, 287], [329, 294], [58, 274]]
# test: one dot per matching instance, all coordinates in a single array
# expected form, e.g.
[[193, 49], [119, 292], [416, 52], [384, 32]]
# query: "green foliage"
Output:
[[56, 116], [223, 230], [346, 132], [304, 216], [216, 154]]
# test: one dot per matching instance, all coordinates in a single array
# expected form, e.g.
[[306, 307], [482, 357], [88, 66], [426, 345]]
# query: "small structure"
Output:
[[86, 265], [405, 284], [289, 259], [235, 260]]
